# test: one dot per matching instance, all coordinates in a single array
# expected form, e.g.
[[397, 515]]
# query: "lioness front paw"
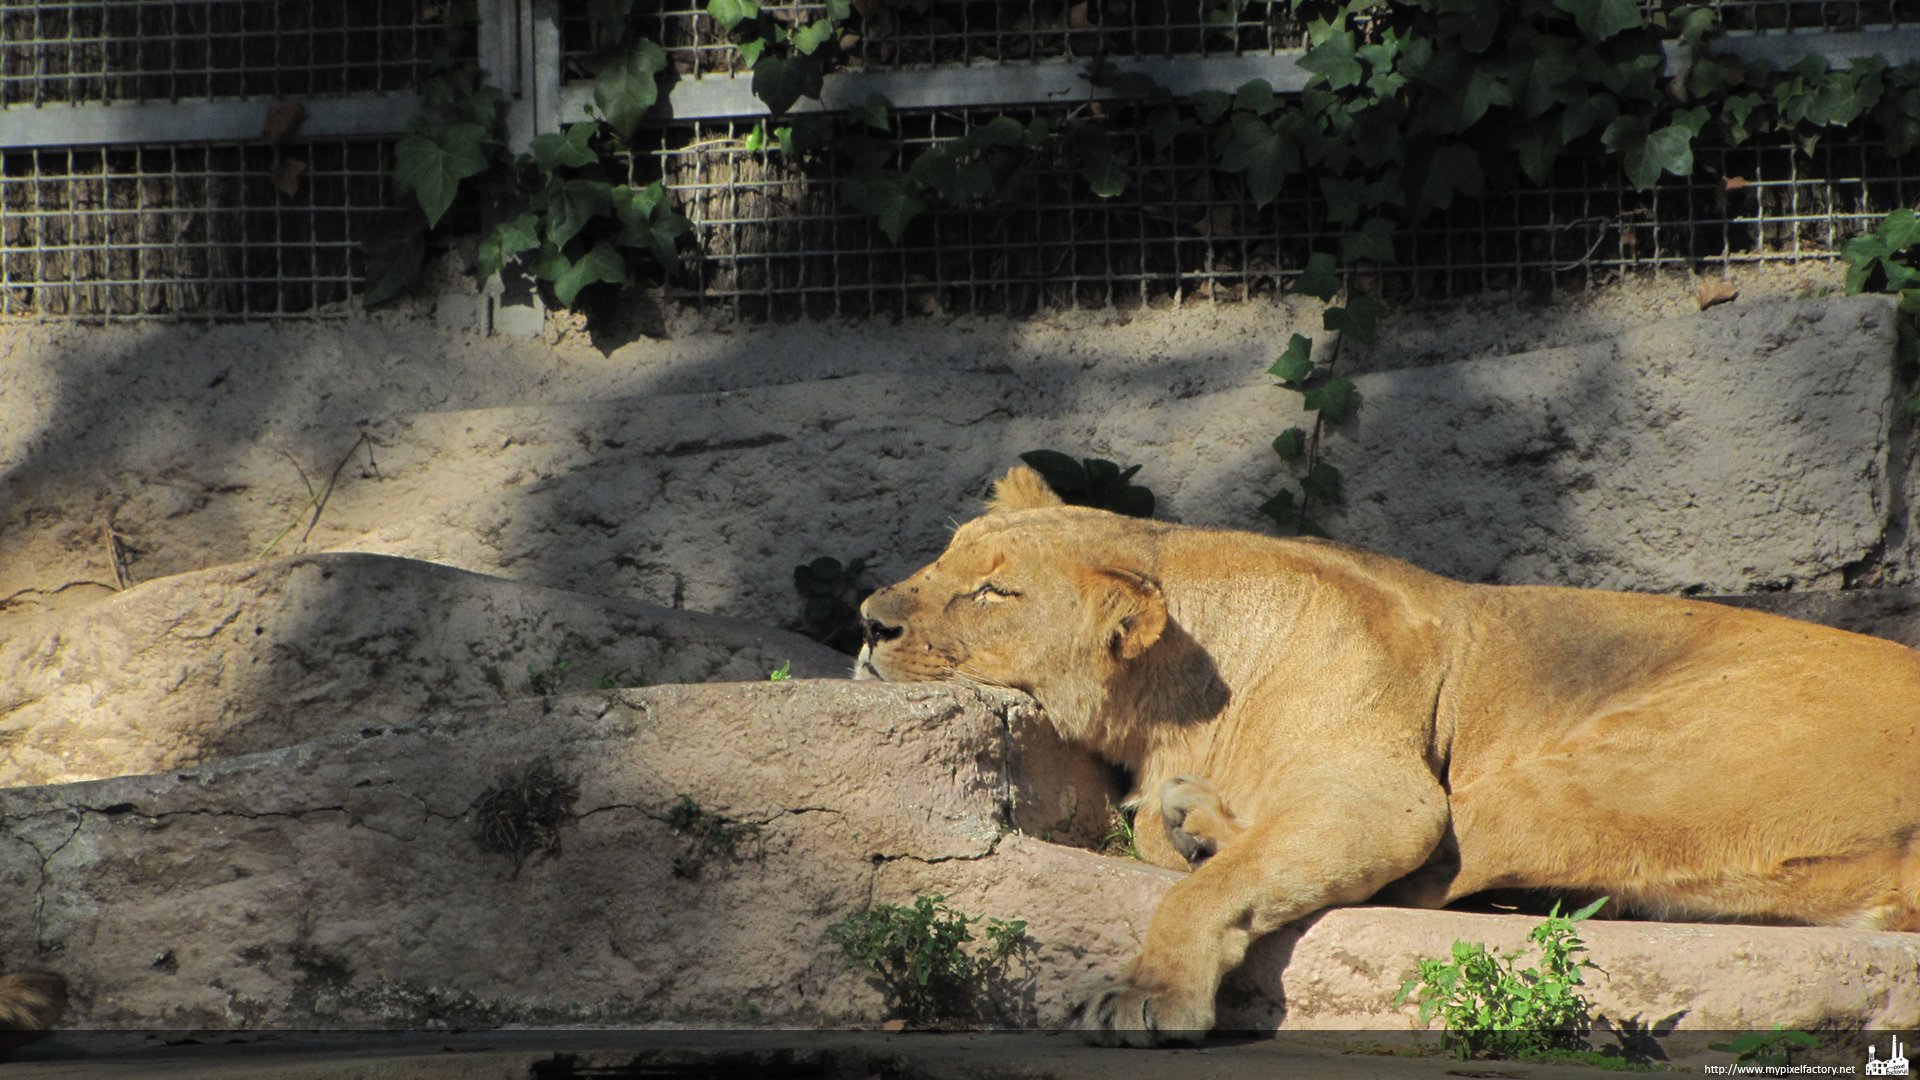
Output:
[[1124, 1015], [1198, 821]]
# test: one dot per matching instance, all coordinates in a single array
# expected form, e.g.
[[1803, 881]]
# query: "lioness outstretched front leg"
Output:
[[1335, 838], [1197, 818]]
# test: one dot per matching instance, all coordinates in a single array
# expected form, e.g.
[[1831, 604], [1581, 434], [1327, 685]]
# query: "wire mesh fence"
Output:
[[187, 231], [223, 231], [775, 242], [54, 51]]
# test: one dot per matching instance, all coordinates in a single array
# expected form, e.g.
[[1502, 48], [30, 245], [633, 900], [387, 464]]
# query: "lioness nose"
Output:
[[873, 631]]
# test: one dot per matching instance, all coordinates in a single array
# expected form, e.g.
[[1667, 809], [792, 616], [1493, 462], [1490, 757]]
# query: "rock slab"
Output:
[[256, 656], [343, 883]]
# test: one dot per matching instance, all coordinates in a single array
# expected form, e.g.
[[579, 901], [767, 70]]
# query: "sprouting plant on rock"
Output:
[[710, 836], [925, 957], [1492, 1007]]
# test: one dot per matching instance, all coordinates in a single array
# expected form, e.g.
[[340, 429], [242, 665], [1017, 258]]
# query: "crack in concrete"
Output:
[[881, 858], [40, 890]]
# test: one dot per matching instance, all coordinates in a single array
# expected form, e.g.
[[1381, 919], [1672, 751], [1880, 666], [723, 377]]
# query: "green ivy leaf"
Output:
[[601, 264], [810, 37], [1210, 105], [1900, 230], [1646, 154], [432, 167], [509, 238], [1258, 151], [549, 264], [1296, 363], [877, 113], [1548, 71], [1164, 124], [1332, 400], [648, 221], [1451, 169], [781, 82], [1474, 21], [1322, 483], [625, 87], [731, 13], [1483, 91], [805, 133], [1360, 317], [1256, 97], [554, 149], [572, 204], [959, 182], [1001, 131], [890, 198], [393, 262], [839, 10], [1320, 279], [1279, 508], [1602, 19], [1373, 242], [610, 15], [1290, 444], [1584, 114], [1332, 60], [750, 52], [1537, 151]]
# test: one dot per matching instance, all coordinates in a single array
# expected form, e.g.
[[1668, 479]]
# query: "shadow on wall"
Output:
[[698, 473]]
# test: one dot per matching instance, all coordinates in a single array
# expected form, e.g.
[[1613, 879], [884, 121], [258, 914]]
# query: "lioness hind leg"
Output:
[[1198, 821]]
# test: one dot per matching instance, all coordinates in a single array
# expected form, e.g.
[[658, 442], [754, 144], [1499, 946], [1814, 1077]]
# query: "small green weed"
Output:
[[918, 954], [1119, 841], [544, 681], [1774, 1047], [709, 836], [783, 673], [613, 680], [1094, 482], [1493, 1008]]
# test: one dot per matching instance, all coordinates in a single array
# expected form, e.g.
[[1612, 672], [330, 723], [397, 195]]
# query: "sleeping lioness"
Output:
[[1352, 727]]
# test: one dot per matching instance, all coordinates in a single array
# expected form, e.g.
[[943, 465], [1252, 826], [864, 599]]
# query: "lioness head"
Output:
[[1034, 595]]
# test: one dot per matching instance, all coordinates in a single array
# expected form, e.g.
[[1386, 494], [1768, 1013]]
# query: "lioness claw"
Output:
[[1128, 1016]]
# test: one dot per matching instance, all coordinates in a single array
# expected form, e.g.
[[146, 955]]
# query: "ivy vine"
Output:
[[1409, 107]]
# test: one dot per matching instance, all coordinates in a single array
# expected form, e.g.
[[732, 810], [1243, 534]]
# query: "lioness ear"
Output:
[[1128, 611], [1021, 489]]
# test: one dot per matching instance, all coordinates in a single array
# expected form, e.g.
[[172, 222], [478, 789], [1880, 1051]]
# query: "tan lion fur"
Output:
[[30, 1003], [1370, 730]]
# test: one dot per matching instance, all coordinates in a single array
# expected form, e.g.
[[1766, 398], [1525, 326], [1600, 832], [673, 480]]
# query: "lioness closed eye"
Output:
[[1370, 730]]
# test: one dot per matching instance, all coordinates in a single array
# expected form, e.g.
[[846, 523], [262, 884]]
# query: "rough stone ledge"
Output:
[[1889, 613], [256, 656], [339, 883]]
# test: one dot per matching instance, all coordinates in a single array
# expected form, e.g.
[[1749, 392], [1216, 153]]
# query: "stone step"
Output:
[[348, 882], [252, 657]]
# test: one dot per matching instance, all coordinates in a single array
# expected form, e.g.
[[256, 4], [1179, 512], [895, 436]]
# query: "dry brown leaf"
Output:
[[283, 120], [286, 175], [1716, 291], [893, 1026], [1733, 183]]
